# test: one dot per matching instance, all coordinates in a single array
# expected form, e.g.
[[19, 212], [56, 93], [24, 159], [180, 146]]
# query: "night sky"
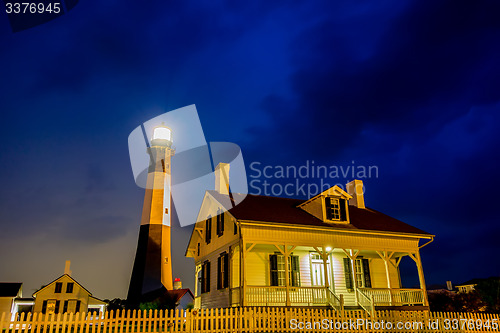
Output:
[[411, 87]]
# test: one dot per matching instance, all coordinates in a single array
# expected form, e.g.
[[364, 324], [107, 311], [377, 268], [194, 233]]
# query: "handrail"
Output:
[[335, 301], [365, 302]]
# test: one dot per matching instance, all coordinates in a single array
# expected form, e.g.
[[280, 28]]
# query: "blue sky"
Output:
[[410, 87]]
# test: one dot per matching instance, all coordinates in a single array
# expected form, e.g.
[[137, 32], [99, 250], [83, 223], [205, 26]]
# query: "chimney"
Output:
[[222, 178], [449, 286], [356, 190], [66, 268], [177, 283]]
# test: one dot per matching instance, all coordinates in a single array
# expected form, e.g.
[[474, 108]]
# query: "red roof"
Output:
[[285, 210]]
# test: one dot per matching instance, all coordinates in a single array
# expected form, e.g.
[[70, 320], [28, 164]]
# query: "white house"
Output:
[[327, 251]]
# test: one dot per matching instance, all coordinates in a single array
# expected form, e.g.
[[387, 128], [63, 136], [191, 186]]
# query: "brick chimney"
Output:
[[356, 190], [222, 178], [66, 268]]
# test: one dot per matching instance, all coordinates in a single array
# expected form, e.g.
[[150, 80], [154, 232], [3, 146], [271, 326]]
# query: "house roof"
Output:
[[163, 294], [10, 289], [285, 210], [36, 292], [477, 280]]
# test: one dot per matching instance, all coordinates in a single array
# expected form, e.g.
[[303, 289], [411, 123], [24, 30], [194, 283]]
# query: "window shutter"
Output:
[[65, 306], [56, 309], [273, 261], [295, 271], [235, 228], [208, 230], [78, 304], [226, 270], [343, 213], [219, 273], [44, 307], [348, 274], [328, 205], [366, 273], [208, 276], [203, 278], [221, 222]]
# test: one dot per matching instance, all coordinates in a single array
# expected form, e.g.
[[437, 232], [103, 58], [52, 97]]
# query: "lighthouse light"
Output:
[[162, 133]]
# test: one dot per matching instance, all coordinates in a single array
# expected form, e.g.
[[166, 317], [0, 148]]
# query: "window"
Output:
[[58, 287], [208, 230], [65, 306], [220, 222], [44, 307], [223, 271], [335, 209], [205, 277], [77, 308], [69, 287], [277, 264], [363, 279]]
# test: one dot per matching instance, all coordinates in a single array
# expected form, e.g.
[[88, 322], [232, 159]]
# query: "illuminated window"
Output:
[[223, 271], [335, 209], [277, 264]]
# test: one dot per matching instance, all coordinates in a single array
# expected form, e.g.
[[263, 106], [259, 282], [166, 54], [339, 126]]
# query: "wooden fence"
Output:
[[255, 319]]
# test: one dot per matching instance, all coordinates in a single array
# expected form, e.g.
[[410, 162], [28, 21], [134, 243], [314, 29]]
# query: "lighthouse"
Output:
[[152, 268]]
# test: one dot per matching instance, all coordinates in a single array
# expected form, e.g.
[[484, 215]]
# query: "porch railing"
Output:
[[336, 302], [365, 301], [298, 296], [394, 296]]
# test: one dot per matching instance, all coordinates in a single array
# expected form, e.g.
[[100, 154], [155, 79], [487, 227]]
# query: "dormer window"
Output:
[[335, 209]]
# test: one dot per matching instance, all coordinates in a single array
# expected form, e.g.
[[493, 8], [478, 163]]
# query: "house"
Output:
[[469, 286], [9, 292], [65, 294], [327, 251]]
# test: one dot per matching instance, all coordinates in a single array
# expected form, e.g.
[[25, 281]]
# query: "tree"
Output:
[[489, 291]]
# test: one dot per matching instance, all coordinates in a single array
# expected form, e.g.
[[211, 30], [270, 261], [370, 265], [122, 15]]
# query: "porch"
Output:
[[367, 298]]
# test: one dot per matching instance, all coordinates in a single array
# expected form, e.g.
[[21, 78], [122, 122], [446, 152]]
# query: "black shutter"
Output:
[[218, 225], [222, 223], [343, 213], [273, 261], [208, 230], [202, 278], [56, 309], [219, 273], [44, 307], [328, 208], [295, 271], [226, 270], [348, 274], [366, 273], [65, 307], [78, 304], [208, 277]]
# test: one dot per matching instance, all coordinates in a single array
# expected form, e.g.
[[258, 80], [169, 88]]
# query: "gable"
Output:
[[64, 279], [318, 205]]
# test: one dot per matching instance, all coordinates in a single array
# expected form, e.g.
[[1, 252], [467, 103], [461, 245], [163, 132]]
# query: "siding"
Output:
[[215, 298]]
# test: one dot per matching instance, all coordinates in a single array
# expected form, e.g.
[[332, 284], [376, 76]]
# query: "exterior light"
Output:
[[328, 249], [162, 133]]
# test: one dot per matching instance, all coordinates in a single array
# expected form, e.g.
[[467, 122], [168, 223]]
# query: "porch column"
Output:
[[324, 255], [386, 257], [242, 272], [418, 261], [196, 272], [286, 253], [243, 279]]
